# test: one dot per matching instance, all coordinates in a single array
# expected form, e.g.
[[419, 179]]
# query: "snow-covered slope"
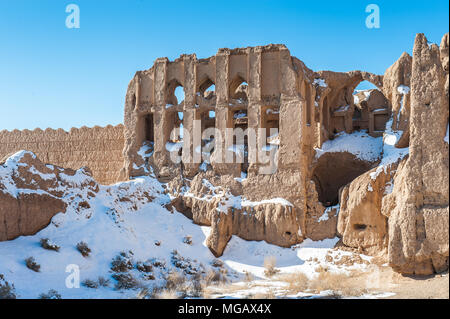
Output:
[[131, 217]]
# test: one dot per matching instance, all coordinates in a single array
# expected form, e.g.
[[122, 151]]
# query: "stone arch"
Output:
[[371, 108], [204, 85], [170, 92], [238, 88]]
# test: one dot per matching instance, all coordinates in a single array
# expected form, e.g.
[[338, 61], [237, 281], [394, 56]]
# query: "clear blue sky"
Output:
[[51, 76]]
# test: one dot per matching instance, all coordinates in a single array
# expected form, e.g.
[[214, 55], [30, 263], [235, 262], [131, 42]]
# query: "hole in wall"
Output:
[[335, 170], [359, 227], [149, 128], [179, 94]]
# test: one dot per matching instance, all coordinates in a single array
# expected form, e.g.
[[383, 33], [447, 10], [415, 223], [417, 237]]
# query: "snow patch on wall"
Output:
[[360, 144]]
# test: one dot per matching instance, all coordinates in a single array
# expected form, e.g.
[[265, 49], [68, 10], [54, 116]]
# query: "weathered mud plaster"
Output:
[[256, 87]]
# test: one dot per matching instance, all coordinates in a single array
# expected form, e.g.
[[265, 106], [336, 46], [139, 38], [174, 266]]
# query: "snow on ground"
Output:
[[121, 219], [360, 144]]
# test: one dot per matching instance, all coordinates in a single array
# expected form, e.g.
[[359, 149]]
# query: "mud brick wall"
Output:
[[99, 148]]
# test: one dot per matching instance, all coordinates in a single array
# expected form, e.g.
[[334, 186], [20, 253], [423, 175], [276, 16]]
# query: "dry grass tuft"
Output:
[[269, 265], [297, 281]]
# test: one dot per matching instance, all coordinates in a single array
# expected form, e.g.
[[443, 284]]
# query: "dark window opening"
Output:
[[149, 128], [359, 227]]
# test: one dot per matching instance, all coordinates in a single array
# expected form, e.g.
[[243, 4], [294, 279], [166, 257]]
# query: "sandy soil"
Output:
[[430, 287]]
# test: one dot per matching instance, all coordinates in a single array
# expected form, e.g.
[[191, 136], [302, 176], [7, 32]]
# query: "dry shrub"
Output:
[[267, 295], [122, 263], [215, 277], [187, 240], [297, 281], [344, 284], [320, 269], [144, 266], [158, 263], [167, 294], [32, 264], [83, 249], [125, 281], [248, 276], [103, 282], [196, 288], [175, 281], [7, 290], [47, 244], [269, 265], [217, 263], [51, 294], [90, 283]]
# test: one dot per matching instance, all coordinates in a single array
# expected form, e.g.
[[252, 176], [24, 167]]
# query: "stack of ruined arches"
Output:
[[244, 88]]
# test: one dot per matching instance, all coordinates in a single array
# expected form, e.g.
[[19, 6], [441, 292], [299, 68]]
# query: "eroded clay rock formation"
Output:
[[404, 210], [397, 89], [31, 193], [313, 187], [418, 208], [274, 220], [361, 223]]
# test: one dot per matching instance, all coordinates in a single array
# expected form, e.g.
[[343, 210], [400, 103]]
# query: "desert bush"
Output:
[[7, 290], [32, 264], [175, 280], [269, 265], [195, 289], [122, 262], [47, 244], [103, 282], [167, 294], [83, 248], [125, 281], [340, 284], [189, 266], [90, 283], [144, 266], [263, 295], [149, 277], [215, 277], [144, 294], [248, 276], [297, 281], [320, 269], [51, 294], [158, 263], [187, 240], [217, 263], [100, 282]]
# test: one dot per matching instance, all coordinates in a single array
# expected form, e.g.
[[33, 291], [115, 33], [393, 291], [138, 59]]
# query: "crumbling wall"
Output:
[[418, 208], [99, 148]]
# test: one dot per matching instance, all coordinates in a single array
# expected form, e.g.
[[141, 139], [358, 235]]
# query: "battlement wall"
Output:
[[99, 148]]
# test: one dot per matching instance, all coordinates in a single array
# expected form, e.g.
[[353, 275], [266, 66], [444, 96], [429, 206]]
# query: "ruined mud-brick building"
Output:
[[295, 111], [258, 87]]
